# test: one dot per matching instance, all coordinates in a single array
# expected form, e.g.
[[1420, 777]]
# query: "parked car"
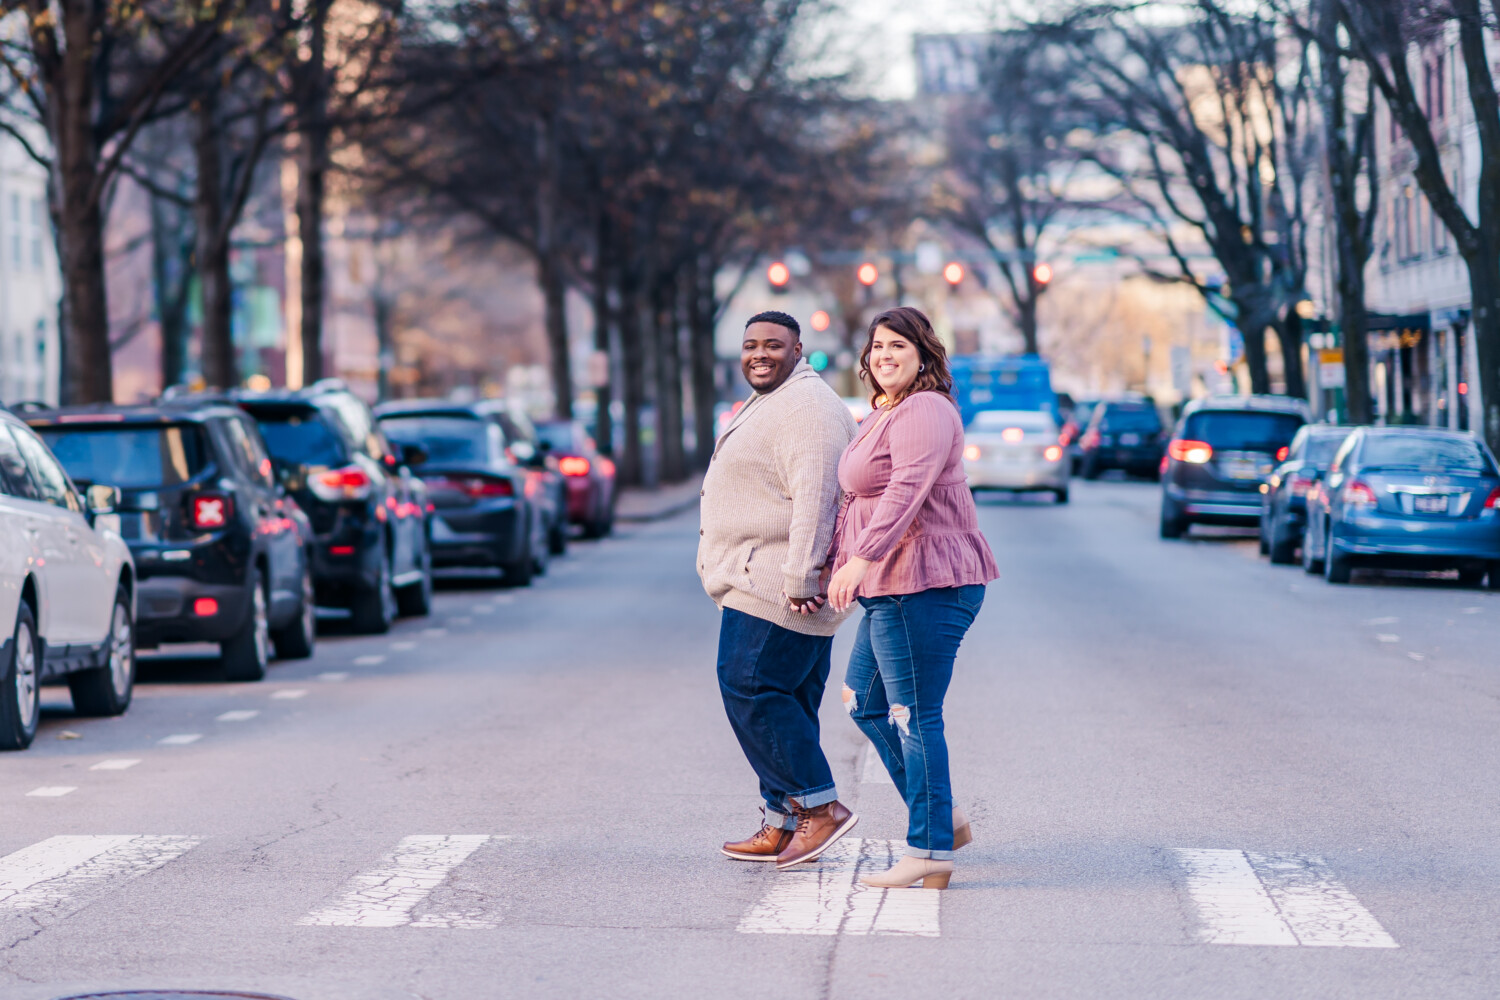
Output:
[[1407, 498], [67, 590], [371, 550], [489, 510], [1015, 450], [588, 475], [1076, 422], [221, 551], [528, 450], [1221, 450], [1121, 434], [1283, 510]]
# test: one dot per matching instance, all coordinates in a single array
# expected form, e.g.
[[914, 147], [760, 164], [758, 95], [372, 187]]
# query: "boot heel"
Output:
[[937, 880], [963, 835]]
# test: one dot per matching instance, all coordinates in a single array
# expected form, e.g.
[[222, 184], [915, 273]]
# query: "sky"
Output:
[[882, 31]]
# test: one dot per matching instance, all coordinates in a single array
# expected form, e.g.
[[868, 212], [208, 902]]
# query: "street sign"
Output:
[[1331, 369], [1182, 371]]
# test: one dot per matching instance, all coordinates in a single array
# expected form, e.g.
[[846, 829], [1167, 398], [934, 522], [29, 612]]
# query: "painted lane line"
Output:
[[179, 739], [403, 647], [1471, 611], [51, 791], [372, 660], [460, 621], [334, 676], [1276, 899], [49, 873], [1387, 637], [290, 694], [1381, 621], [825, 898], [115, 764], [387, 895], [872, 770], [1416, 656], [435, 631], [238, 715], [482, 609], [504, 599]]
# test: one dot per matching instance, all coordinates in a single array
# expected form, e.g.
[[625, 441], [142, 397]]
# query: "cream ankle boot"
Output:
[[963, 833], [909, 871]]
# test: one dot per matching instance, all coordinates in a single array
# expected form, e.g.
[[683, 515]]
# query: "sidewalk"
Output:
[[637, 504]]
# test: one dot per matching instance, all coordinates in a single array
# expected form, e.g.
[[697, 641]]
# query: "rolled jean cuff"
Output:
[[780, 821], [816, 797], [922, 852]]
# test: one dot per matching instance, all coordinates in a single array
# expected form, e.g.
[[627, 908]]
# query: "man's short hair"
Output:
[[779, 318]]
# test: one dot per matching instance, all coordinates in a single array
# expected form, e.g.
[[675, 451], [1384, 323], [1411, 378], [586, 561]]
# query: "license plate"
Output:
[[1242, 468], [1130, 439], [1431, 505]]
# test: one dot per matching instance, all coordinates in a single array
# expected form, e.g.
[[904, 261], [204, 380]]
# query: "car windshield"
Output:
[[1081, 413], [129, 457], [1321, 449], [445, 439], [302, 439], [1133, 418], [999, 420], [559, 437], [1421, 451], [1237, 430]]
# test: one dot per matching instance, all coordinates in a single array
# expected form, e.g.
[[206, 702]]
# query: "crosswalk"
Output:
[[1238, 897]]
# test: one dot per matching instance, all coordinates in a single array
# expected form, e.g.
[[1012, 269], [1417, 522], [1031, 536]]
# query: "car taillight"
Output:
[[1358, 494], [1282, 453], [971, 453], [1300, 485], [1065, 437], [1493, 501], [1196, 452], [205, 607], [1053, 453], [477, 486], [573, 465], [349, 483], [211, 510], [1090, 439]]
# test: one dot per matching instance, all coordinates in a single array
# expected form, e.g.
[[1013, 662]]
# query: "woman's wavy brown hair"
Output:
[[909, 324]]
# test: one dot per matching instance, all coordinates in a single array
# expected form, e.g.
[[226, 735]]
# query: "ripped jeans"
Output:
[[898, 674]]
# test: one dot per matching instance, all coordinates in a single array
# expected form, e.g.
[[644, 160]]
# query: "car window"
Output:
[[302, 438], [998, 420], [15, 478], [1321, 449], [447, 439], [1431, 452], [559, 437], [360, 424], [129, 457], [1131, 418], [517, 428], [246, 451], [1238, 430], [51, 481], [1341, 456]]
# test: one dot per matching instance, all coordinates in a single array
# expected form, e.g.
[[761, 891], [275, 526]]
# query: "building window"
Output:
[[16, 237], [38, 231]]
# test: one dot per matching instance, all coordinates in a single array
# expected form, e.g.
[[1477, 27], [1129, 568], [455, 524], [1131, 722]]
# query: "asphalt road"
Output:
[[1191, 774]]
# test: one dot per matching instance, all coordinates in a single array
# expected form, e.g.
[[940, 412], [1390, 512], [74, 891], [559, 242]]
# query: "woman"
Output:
[[908, 548]]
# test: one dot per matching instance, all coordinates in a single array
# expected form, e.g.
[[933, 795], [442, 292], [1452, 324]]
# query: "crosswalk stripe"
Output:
[[826, 898], [48, 873], [388, 895], [1278, 899]]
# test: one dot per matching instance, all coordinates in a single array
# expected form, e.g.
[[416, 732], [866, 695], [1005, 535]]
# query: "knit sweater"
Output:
[[769, 502]]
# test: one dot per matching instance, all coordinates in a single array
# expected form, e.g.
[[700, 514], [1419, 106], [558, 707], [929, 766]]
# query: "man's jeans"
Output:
[[898, 674], [772, 680]]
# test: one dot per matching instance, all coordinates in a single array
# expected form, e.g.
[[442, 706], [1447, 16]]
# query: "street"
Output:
[[1191, 774]]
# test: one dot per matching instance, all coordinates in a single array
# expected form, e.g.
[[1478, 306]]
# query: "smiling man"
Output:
[[769, 503]]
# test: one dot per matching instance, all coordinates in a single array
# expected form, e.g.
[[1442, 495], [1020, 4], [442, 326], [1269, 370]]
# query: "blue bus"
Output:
[[1019, 382]]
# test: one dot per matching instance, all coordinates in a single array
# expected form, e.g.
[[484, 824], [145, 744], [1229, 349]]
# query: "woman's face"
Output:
[[894, 361]]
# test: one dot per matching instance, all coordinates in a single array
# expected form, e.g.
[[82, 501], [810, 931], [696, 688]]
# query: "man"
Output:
[[769, 502]]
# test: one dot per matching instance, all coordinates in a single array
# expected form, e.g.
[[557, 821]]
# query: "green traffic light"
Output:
[[818, 360]]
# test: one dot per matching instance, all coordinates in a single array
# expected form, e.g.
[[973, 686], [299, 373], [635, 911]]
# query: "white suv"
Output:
[[67, 589]]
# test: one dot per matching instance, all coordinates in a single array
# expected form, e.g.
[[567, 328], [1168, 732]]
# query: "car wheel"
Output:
[[1173, 524], [1310, 562], [106, 690], [1472, 576], [1337, 566], [296, 640], [374, 609], [1282, 547], [557, 538], [1062, 495], [1492, 581], [247, 653], [1090, 469], [20, 687], [415, 599], [1265, 547]]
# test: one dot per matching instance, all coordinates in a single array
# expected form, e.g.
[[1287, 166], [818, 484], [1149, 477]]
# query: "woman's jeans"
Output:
[[898, 674]]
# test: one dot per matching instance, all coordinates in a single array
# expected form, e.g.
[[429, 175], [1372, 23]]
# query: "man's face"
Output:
[[768, 355]]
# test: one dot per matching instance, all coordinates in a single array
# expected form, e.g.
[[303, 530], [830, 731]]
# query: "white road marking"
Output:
[[116, 764], [1416, 656], [238, 715], [290, 694], [460, 621], [1279, 899], [1386, 637], [1471, 611], [826, 898], [387, 895], [1381, 621], [333, 676], [373, 659], [50, 872], [504, 599], [872, 771], [180, 739], [482, 609], [434, 631], [52, 791], [403, 647]]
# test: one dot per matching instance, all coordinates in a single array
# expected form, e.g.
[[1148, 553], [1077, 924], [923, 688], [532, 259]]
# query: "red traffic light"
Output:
[[819, 321], [778, 274], [1042, 273], [867, 274], [953, 273]]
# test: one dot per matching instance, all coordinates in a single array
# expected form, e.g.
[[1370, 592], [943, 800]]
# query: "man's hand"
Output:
[[808, 605]]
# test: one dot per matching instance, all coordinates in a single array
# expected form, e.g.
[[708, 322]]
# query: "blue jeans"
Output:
[[898, 674], [772, 680]]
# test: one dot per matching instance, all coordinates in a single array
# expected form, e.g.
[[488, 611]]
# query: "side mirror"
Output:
[[523, 453], [411, 454], [544, 446], [291, 476], [101, 499]]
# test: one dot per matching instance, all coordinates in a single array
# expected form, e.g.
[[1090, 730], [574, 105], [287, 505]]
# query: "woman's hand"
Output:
[[841, 588]]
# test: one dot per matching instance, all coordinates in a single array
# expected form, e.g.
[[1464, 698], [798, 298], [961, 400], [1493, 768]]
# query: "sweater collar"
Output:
[[801, 371]]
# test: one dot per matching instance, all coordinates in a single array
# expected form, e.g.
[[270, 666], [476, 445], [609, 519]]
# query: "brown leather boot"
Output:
[[764, 846], [817, 829]]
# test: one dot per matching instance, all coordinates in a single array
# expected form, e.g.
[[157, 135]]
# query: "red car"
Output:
[[588, 476]]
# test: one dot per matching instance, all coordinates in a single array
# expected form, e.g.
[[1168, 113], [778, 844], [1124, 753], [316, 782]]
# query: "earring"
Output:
[[921, 368]]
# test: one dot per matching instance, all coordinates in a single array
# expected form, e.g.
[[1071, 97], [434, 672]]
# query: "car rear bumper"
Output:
[[1017, 475], [1228, 506], [478, 536], [1374, 535], [1124, 458], [581, 492], [165, 610]]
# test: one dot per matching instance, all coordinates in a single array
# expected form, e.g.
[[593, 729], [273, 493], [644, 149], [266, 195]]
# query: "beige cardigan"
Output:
[[769, 502]]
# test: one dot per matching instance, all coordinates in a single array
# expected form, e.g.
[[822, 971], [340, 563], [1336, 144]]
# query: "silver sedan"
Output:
[[1016, 450]]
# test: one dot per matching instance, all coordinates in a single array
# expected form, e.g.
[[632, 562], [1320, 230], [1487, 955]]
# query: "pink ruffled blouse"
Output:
[[907, 506]]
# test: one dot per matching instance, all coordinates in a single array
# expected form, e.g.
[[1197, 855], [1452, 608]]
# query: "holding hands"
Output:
[[846, 581]]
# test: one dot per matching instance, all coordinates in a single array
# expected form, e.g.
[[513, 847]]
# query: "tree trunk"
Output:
[[633, 364], [312, 176], [220, 370], [1253, 333], [168, 289], [550, 270], [1484, 296], [1026, 312], [604, 420], [700, 312], [668, 335], [1289, 335], [1352, 323]]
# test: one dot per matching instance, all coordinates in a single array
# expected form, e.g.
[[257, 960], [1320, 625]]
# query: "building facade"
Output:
[[30, 285]]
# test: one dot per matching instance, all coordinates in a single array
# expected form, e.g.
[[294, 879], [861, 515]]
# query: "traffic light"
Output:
[[953, 273], [778, 274], [1042, 273], [818, 360], [867, 274], [820, 321]]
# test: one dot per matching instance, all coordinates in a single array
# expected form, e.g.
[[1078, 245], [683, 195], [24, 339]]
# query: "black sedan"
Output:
[[1283, 511], [1122, 434]]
